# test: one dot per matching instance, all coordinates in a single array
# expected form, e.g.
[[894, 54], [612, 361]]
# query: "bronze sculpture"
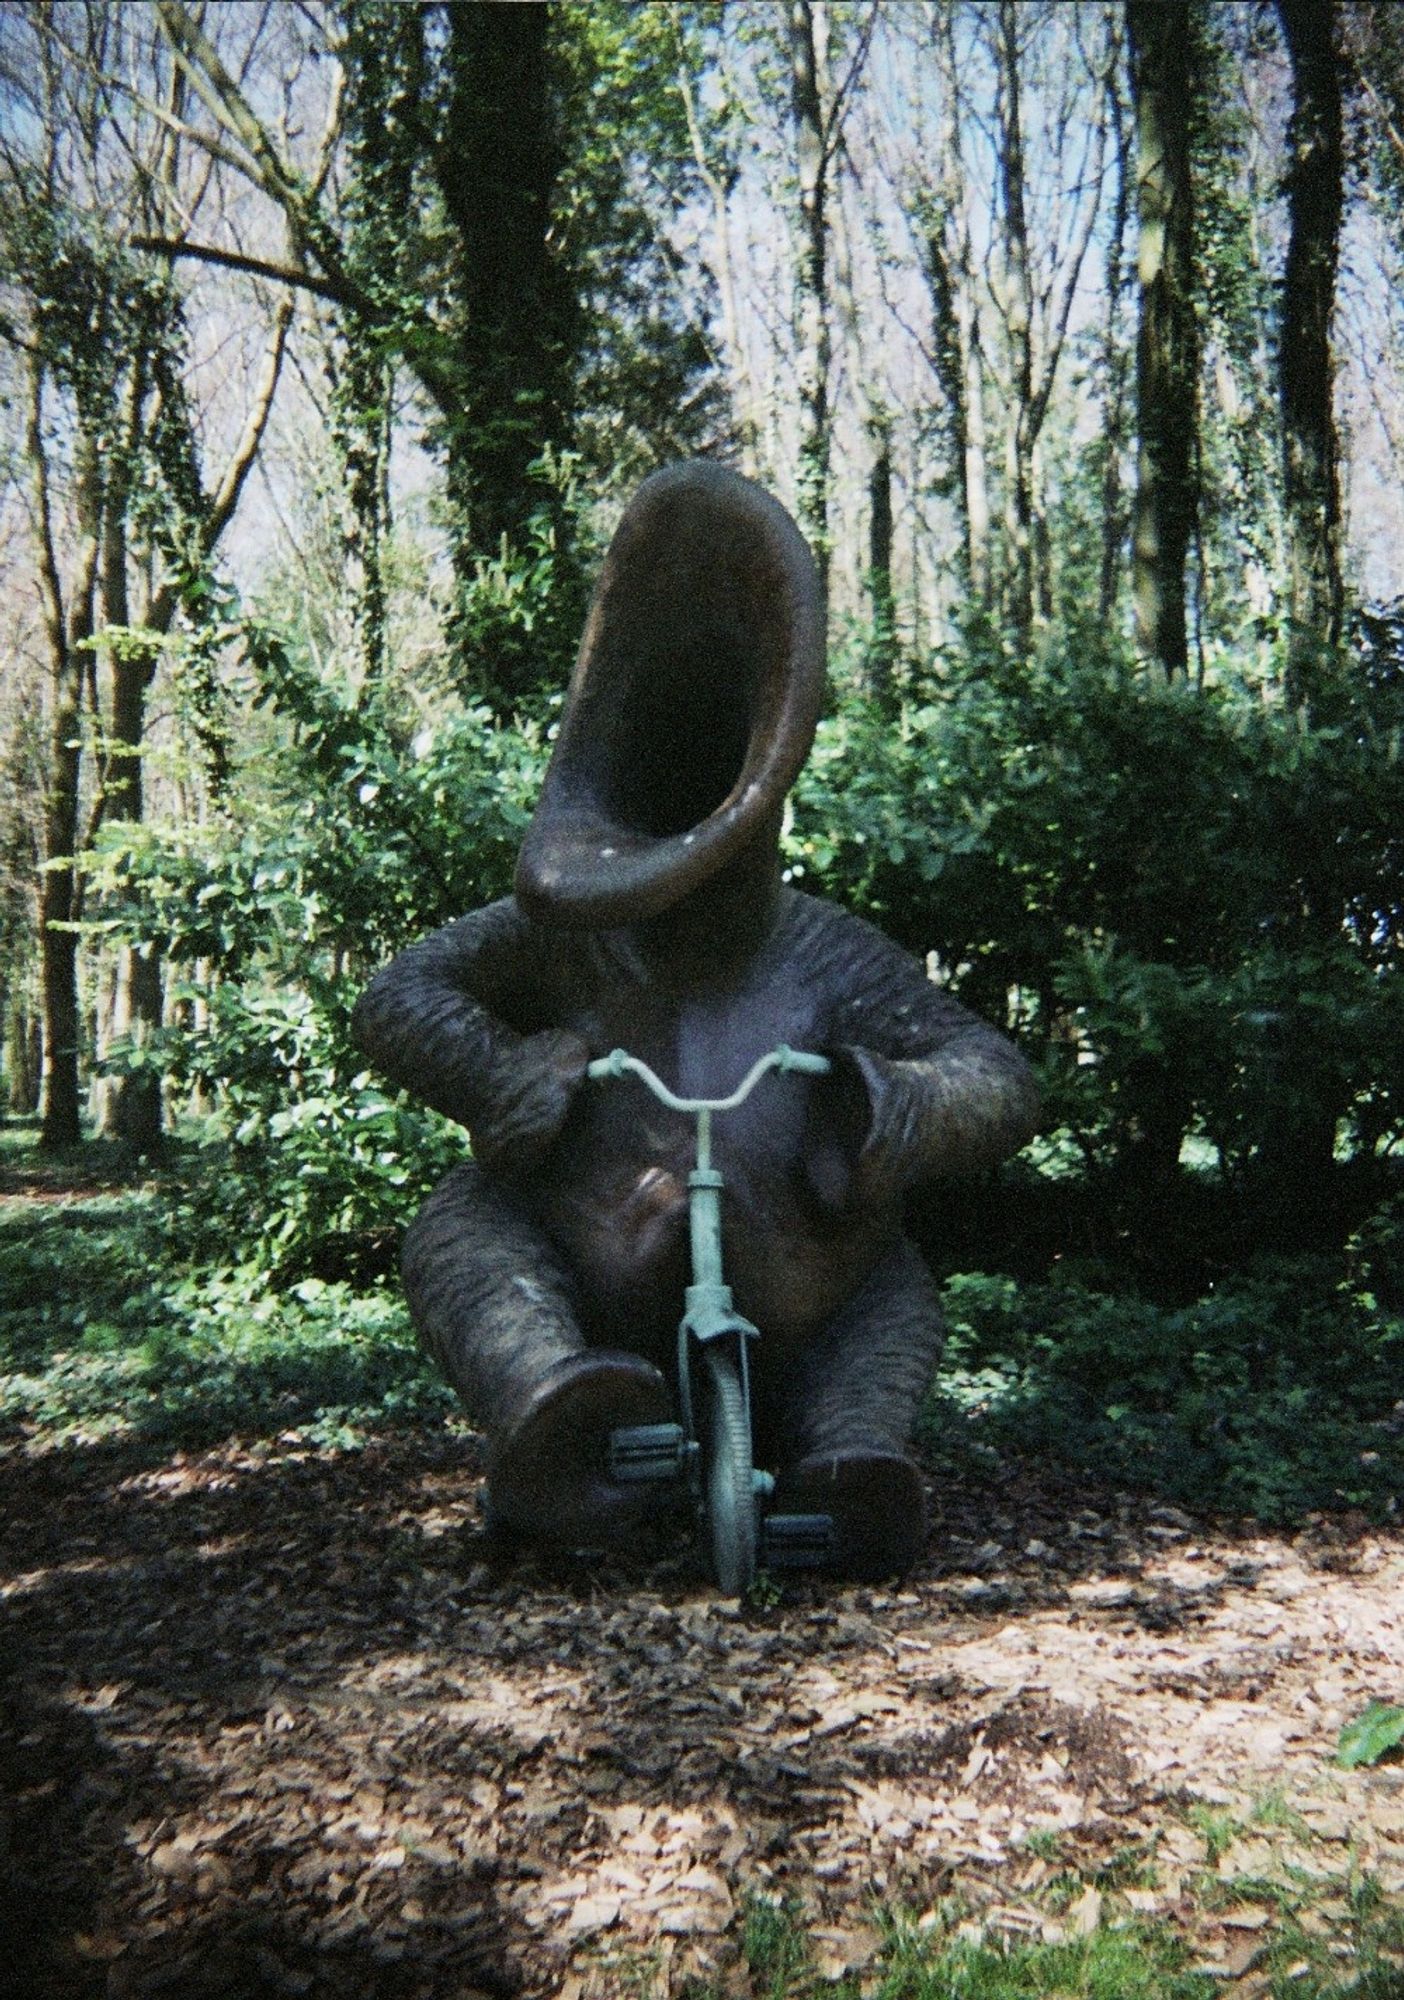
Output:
[[649, 912]]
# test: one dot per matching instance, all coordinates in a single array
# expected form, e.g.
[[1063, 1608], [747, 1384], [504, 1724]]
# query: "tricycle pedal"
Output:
[[641, 1453], [797, 1541]]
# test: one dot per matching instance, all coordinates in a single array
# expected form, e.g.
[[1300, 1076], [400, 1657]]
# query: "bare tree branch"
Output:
[[226, 103], [256, 267], [226, 498]]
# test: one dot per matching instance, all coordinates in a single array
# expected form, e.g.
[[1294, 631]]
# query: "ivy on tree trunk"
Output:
[[1311, 484], [1167, 345]]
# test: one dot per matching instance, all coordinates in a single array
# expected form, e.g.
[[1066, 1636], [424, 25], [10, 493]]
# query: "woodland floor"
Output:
[[277, 1721]]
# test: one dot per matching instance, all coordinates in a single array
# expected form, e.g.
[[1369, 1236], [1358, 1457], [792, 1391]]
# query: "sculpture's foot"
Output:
[[548, 1471], [875, 1501]]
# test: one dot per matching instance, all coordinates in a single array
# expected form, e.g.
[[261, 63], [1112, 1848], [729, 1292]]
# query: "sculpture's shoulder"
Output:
[[502, 921], [498, 934], [882, 994], [487, 954], [813, 926]]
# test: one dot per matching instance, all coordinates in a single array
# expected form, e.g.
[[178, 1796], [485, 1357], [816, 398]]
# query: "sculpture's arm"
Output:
[[961, 1106], [924, 1087], [449, 1020]]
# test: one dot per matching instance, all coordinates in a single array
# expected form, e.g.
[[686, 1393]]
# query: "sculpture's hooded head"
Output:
[[691, 709]]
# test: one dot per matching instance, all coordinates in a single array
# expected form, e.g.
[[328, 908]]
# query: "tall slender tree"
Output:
[[1114, 360], [1311, 482], [882, 649], [70, 615], [1167, 348], [1035, 285], [497, 158], [810, 91], [957, 335]]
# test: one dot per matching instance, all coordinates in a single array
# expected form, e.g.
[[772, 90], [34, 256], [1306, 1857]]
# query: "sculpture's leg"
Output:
[[493, 1305], [844, 1418]]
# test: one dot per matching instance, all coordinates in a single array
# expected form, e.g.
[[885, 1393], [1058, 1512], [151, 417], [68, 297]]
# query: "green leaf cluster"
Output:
[[1184, 899], [1275, 1393]]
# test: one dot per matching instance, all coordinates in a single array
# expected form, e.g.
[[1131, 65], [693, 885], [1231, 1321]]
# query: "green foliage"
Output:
[[950, 1955], [106, 1331], [774, 1944], [951, 1959], [1140, 1963], [1371, 1736], [518, 609], [513, 182], [1275, 1393], [352, 833], [1119, 865], [1186, 898]]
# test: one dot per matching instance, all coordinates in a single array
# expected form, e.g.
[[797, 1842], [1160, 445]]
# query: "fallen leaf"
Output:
[[174, 1861], [1103, 1593], [1086, 1912], [593, 1913]]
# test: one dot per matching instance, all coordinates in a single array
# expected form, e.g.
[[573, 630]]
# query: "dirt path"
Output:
[[274, 1724]]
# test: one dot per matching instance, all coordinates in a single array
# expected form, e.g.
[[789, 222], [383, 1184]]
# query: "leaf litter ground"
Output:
[[280, 1721]]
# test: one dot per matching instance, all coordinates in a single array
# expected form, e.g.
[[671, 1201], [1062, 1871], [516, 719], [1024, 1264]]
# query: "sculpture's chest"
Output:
[[619, 1202], [702, 1045]]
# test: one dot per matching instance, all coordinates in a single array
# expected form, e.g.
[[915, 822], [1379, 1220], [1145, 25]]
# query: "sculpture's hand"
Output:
[[895, 1144], [529, 1094], [840, 1119], [872, 1136], [957, 1110]]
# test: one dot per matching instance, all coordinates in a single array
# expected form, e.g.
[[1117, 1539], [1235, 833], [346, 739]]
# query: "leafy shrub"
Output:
[[1273, 1394], [103, 1333], [357, 831], [1184, 899]]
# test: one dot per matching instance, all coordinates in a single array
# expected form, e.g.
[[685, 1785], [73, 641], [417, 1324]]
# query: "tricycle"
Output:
[[710, 1452]]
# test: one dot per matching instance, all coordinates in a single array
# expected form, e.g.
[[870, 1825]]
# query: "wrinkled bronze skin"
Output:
[[547, 1275]]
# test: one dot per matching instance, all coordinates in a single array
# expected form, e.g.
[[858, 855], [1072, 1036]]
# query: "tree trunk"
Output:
[[128, 1107], [496, 168], [948, 275], [1167, 352], [1296, 1158], [1018, 317], [809, 28], [1114, 373], [62, 1038], [362, 388], [24, 1056], [718, 184], [1310, 454], [68, 629], [882, 649], [977, 484], [956, 326]]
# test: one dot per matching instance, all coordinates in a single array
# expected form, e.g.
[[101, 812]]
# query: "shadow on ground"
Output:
[[285, 1722]]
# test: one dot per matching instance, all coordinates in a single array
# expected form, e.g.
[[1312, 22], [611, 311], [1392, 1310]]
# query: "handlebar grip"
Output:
[[610, 1065], [800, 1059]]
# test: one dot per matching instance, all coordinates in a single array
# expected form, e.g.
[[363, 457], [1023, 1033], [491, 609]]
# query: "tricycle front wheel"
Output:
[[730, 1476]]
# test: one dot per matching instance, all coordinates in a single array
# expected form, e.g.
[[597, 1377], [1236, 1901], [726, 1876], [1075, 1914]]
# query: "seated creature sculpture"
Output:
[[546, 1274]]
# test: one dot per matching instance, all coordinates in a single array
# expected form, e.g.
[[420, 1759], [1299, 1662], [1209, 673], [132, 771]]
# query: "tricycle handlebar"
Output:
[[619, 1063]]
